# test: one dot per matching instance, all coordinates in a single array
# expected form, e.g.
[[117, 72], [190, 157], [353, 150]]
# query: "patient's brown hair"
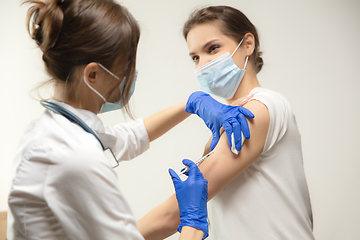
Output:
[[231, 22]]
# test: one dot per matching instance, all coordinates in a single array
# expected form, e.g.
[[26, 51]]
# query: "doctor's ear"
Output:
[[249, 43], [91, 72]]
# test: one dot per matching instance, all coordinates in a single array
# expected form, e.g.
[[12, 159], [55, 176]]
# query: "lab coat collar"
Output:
[[93, 121]]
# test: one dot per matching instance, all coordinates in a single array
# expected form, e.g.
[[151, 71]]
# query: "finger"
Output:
[[175, 178], [215, 139], [228, 130], [189, 163], [206, 187], [246, 112], [240, 102], [237, 135], [193, 167], [206, 182], [244, 126]]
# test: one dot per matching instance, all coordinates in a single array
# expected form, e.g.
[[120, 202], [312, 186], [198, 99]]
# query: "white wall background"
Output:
[[311, 53]]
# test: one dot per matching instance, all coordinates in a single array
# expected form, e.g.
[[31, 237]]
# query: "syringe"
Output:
[[198, 162]]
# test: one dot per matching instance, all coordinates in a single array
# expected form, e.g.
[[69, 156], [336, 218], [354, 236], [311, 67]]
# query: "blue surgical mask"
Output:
[[221, 76], [108, 106]]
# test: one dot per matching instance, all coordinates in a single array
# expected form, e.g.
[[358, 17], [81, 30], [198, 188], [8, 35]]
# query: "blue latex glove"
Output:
[[192, 195], [217, 115]]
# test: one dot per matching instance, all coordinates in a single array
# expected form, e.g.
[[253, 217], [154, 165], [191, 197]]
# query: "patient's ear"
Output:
[[249, 43]]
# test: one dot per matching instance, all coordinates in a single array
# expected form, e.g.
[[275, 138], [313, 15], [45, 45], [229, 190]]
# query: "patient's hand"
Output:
[[242, 101]]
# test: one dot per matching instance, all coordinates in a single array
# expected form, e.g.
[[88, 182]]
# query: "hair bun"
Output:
[[259, 62], [45, 20]]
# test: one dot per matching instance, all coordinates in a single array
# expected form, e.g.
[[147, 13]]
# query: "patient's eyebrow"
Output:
[[205, 46]]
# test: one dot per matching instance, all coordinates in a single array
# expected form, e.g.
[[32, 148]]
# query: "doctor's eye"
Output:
[[213, 48]]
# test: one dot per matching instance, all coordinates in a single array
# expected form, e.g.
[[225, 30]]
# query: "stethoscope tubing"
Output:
[[70, 116]]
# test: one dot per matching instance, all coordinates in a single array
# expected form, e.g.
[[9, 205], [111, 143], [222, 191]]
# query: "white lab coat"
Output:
[[64, 186]]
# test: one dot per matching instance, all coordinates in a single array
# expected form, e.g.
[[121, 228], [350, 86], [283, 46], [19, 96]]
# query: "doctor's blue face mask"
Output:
[[108, 106], [221, 76]]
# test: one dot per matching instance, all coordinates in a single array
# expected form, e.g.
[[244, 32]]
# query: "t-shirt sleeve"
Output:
[[279, 111], [132, 139]]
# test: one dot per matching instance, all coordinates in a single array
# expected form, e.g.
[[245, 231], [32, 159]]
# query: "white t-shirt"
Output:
[[270, 199], [64, 187]]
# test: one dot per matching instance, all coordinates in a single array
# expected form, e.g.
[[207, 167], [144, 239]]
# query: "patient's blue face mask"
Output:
[[108, 106], [221, 76]]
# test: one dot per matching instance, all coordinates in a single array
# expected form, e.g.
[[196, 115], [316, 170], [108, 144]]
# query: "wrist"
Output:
[[198, 223], [194, 101], [191, 233]]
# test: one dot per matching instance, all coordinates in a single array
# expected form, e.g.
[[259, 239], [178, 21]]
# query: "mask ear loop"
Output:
[[237, 47], [246, 60], [93, 89], [247, 57], [108, 71]]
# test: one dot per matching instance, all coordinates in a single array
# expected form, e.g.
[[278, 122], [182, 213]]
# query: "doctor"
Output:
[[64, 186]]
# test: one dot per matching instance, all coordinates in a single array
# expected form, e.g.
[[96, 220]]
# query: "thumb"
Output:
[[175, 178]]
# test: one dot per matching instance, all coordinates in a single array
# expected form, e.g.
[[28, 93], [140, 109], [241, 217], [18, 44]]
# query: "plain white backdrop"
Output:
[[311, 53]]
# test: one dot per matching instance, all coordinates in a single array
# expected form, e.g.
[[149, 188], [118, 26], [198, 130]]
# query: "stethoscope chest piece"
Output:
[[111, 158]]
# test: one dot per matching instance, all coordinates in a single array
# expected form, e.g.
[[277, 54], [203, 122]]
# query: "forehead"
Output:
[[200, 34]]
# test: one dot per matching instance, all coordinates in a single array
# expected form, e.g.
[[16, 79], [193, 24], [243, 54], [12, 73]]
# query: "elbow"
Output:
[[171, 221], [159, 224]]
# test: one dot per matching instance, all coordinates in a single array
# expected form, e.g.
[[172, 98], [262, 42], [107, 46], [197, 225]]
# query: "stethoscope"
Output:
[[75, 119]]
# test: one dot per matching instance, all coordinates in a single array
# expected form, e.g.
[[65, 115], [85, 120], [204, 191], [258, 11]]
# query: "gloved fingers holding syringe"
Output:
[[192, 196], [186, 169]]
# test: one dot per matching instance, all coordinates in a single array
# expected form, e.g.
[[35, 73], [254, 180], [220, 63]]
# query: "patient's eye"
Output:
[[213, 48], [195, 58]]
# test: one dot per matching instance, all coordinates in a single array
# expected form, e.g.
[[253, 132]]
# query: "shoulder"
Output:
[[55, 157], [275, 102], [60, 143], [259, 125], [280, 114]]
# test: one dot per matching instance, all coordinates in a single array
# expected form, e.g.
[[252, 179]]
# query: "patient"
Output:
[[261, 192]]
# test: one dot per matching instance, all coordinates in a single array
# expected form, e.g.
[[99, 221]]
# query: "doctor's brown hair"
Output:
[[71, 33], [231, 22]]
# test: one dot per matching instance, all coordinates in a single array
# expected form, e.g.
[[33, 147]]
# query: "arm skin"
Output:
[[190, 233], [219, 169], [159, 123]]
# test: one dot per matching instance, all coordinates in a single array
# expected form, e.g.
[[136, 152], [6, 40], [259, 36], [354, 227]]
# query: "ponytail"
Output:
[[45, 22]]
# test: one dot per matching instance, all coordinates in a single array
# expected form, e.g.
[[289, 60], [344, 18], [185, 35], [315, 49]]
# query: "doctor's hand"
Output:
[[192, 195], [217, 115]]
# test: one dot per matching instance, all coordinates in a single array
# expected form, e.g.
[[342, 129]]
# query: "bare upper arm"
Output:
[[223, 167], [219, 169]]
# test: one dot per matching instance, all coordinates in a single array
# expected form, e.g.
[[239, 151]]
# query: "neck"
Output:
[[248, 83], [81, 101]]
